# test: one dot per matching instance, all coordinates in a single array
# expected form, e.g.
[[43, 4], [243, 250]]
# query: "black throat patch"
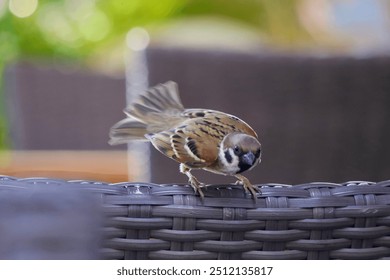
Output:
[[243, 166], [228, 157]]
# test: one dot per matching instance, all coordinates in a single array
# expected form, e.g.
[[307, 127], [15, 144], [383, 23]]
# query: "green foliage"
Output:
[[72, 29]]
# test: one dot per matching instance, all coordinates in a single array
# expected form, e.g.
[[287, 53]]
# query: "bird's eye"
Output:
[[237, 150]]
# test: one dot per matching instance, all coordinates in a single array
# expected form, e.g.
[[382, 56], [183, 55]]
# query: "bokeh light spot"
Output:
[[55, 25], [95, 26], [23, 8], [137, 39]]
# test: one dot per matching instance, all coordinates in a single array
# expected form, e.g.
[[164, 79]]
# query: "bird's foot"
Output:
[[248, 186], [196, 185]]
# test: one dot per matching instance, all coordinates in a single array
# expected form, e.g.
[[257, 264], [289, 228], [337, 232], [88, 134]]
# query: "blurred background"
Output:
[[311, 76]]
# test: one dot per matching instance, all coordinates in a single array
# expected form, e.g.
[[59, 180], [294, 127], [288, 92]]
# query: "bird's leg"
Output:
[[195, 184], [248, 186]]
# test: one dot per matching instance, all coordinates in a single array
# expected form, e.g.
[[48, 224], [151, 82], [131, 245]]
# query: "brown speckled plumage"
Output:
[[196, 138]]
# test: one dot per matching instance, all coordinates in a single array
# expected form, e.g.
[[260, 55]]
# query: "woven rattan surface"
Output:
[[309, 221]]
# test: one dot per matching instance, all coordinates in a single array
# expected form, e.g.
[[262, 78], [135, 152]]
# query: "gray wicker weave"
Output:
[[308, 221]]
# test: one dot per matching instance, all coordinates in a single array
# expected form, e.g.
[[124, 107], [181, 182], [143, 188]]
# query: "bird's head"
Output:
[[239, 152]]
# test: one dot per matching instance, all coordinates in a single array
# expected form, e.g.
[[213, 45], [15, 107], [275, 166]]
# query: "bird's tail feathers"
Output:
[[156, 103], [126, 130], [155, 110]]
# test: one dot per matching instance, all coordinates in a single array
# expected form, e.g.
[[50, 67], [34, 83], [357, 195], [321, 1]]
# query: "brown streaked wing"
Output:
[[219, 119], [187, 145]]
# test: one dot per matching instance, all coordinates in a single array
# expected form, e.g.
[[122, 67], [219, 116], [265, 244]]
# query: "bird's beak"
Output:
[[249, 158]]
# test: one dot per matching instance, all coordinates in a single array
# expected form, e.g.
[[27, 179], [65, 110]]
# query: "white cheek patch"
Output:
[[229, 167]]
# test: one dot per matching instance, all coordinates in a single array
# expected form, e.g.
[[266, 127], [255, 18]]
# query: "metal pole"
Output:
[[138, 153]]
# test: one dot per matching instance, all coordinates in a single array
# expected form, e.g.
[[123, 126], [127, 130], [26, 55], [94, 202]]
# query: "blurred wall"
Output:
[[59, 108]]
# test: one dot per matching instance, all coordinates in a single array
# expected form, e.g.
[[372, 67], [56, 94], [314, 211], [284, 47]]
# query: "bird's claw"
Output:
[[197, 186], [254, 190]]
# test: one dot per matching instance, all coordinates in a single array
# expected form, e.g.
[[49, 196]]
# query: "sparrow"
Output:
[[196, 138]]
